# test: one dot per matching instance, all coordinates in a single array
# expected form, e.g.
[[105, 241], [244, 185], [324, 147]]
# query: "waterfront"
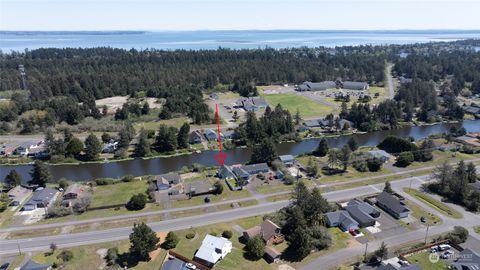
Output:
[[89, 171]]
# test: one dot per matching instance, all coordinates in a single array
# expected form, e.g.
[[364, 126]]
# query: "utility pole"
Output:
[[426, 233], [366, 247], [19, 250]]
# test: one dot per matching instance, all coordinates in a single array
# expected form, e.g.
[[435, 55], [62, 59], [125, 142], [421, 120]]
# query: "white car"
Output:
[[191, 266], [447, 254]]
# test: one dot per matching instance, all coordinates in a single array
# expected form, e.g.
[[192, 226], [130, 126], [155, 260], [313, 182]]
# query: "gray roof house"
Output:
[[380, 154], [165, 181], [32, 265], [341, 219], [472, 110], [226, 172], [174, 264], [41, 198], [211, 135], [311, 123], [363, 218], [392, 205], [316, 86], [354, 85], [256, 168], [260, 102], [195, 137], [365, 207], [19, 194], [241, 173], [288, 160], [467, 260]]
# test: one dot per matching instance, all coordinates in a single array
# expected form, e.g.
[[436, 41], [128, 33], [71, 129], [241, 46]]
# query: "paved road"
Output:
[[333, 260], [165, 211], [92, 237], [391, 91]]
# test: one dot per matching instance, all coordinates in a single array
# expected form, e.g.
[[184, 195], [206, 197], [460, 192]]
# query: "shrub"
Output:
[[190, 235], [63, 183], [458, 235], [112, 255], [227, 234], [255, 248], [360, 165], [104, 181], [218, 188], [59, 211], [128, 178], [81, 205], [137, 202], [65, 255], [404, 159], [374, 165], [171, 241]]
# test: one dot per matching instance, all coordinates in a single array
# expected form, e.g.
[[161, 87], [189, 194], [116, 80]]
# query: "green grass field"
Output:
[[292, 102], [417, 211], [440, 206], [422, 259], [119, 193]]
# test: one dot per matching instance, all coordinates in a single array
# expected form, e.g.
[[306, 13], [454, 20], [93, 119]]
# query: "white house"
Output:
[[212, 250]]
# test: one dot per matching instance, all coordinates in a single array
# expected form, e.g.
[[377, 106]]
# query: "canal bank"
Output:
[[138, 167]]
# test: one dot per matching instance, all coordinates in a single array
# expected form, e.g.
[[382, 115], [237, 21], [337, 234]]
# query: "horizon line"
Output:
[[254, 29]]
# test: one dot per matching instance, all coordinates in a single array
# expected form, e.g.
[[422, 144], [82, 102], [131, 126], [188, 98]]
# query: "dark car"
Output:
[[4, 266]]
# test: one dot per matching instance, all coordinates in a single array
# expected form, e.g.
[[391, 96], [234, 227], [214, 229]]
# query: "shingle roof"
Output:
[[358, 214], [269, 229], [364, 207], [354, 85], [43, 195], [253, 168], [342, 217], [391, 202], [32, 265], [286, 158]]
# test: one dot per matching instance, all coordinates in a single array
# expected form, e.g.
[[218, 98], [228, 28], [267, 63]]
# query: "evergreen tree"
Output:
[[298, 117], [322, 149], [145, 108], [40, 175], [143, 240], [142, 148], [388, 187], [471, 172], [13, 179], [93, 147], [171, 241], [166, 139], [345, 156], [182, 137], [264, 152], [352, 143], [74, 147]]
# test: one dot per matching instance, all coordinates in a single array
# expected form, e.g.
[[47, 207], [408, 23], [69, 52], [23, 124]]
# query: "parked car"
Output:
[[352, 232], [191, 266], [433, 250], [4, 266], [443, 247], [447, 254], [403, 263]]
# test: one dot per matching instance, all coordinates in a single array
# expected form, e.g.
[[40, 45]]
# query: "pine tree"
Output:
[[182, 137], [352, 143], [322, 149], [93, 147], [142, 148], [388, 187], [298, 117], [143, 240], [74, 147], [264, 152], [40, 174], [166, 139], [13, 179]]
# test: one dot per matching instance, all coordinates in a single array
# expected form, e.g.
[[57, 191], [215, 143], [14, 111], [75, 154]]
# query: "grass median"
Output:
[[438, 205]]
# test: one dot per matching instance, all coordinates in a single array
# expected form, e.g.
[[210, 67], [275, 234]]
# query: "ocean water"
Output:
[[196, 40]]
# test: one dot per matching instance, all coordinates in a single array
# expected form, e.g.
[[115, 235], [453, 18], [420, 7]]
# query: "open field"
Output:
[[417, 212], [119, 193], [292, 102], [438, 205]]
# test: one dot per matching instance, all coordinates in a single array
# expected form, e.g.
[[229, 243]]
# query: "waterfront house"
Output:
[[212, 250], [201, 187], [24, 148], [19, 194], [288, 160], [211, 135], [380, 154], [392, 205], [42, 198], [195, 137], [256, 168], [165, 181]]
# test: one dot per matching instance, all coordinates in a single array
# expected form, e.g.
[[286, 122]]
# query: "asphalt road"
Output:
[[93, 237], [391, 91]]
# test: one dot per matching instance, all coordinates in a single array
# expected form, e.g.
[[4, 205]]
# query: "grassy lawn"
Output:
[[154, 125], [476, 229], [279, 187], [292, 102], [33, 233], [417, 212], [119, 193], [422, 259], [438, 205], [86, 258], [16, 263], [382, 92], [440, 157]]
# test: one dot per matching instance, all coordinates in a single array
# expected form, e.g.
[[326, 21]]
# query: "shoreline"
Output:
[[190, 152]]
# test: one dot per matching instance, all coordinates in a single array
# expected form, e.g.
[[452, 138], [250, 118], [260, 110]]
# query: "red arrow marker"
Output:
[[221, 157]]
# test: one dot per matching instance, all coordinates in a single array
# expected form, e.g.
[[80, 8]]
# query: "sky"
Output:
[[75, 15]]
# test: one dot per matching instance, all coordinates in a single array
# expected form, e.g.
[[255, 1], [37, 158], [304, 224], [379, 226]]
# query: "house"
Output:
[[226, 172], [279, 175], [390, 266], [199, 188], [19, 194], [341, 219], [362, 217], [110, 147], [311, 123], [259, 102], [42, 198], [213, 96], [469, 139], [195, 137], [252, 104], [473, 109], [272, 254], [72, 192], [365, 207], [392, 205], [165, 181], [241, 173], [467, 260], [404, 80], [212, 250], [318, 86], [7, 149], [269, 231], [174, 264], [24, 148], [32, 265], [288, 160], [256, 168], [211, 135], [228, 134], [380, 154]]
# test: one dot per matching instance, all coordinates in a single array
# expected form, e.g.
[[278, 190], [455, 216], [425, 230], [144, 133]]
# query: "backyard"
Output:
[[422, 258]]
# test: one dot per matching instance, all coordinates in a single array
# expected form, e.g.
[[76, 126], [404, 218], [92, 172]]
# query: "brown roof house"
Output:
[[271, 234]]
